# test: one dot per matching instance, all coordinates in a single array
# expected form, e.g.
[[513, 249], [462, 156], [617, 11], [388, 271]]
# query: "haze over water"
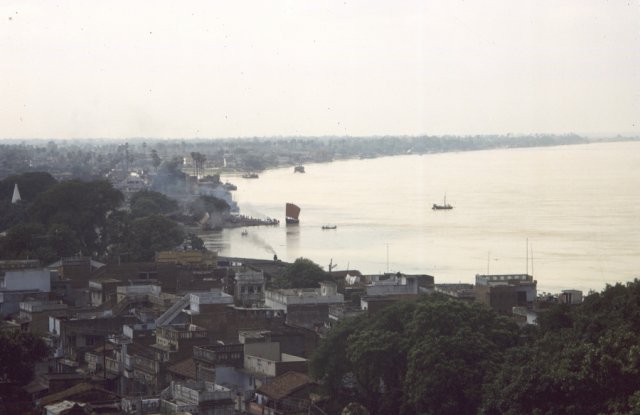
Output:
[[577, 205]]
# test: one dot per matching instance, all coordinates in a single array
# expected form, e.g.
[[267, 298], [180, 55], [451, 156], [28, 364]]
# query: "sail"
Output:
[[292, 211]]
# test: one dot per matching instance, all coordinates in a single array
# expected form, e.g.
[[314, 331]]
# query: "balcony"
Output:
[[175, 334], [112, 365], [223, 355]]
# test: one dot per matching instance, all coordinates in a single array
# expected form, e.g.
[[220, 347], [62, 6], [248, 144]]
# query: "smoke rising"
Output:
[[255, 239]]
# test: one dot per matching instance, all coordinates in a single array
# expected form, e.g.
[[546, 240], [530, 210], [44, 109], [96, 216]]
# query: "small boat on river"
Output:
[[443, 206]]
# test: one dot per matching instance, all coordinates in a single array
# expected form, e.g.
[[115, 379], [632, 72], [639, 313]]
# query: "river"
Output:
[[575, 207]]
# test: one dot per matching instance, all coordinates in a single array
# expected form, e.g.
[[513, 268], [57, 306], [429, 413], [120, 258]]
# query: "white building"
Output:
[[393, 286], [19, 285], [282, 299]]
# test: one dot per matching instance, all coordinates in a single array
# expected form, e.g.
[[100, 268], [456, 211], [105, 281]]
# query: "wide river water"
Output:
[[577, 206]]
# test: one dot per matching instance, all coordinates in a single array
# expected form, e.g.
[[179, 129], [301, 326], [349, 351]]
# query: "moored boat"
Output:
[[230, 186], [443, 206]]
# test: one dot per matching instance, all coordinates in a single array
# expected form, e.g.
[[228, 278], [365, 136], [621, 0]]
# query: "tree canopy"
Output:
[[443, 356], [583, 360], [303, 273], [81, 206], [19, 352], [151, 234], [149, 202], [431, 357], [30, 186]]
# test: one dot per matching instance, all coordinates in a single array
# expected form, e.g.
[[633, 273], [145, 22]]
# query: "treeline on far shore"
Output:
[[94, 158]]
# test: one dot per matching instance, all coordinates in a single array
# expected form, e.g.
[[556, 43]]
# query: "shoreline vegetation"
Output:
[[96, 158]]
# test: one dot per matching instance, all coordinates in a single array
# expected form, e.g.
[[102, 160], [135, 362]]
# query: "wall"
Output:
[[28, 280]]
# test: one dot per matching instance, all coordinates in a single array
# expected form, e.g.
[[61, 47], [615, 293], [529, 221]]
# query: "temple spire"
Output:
[[16, 194]]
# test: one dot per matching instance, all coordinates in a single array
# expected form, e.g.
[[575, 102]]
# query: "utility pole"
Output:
[[387, 257], [488, 261], [332, 265], [527, 251]]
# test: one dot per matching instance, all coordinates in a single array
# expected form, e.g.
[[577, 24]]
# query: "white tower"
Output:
[[16, 194]]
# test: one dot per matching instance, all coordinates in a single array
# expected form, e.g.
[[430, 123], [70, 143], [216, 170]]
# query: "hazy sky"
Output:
[[262, 68]]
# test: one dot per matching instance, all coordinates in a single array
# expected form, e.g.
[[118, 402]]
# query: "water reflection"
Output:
[[293, 240]]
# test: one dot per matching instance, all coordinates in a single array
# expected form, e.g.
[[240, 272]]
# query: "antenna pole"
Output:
[[532, 259], [488, 261], [387, 257], [527, 251]]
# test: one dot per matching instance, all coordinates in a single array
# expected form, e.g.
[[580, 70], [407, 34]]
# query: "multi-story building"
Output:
[[249, 287], [16, 285], [503, 292], [305, 307], [205, 398], [35, 314]]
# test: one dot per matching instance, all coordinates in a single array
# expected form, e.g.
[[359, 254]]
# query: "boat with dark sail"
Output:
[[443, 206], [292, 213]]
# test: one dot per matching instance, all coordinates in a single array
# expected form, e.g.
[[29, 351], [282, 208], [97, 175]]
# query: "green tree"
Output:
[[303, 273], [149, 202], [30, 186], [151, 234], [428, 357], [195, 242], [156, 161], [19, 352], [62, 240], [583, 360], [24, 240], [81, 206]]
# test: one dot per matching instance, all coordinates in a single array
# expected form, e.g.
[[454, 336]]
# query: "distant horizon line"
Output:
[[628, 135]]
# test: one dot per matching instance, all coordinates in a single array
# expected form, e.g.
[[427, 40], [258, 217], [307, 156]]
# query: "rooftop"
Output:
[[284, 385]]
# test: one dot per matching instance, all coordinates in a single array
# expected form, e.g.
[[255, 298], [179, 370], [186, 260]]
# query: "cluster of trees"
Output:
[[148, 202], [432, 356], [198, 163], [84, 218], [302, 273], [581, 360], [443, 356], [91, 159], [88, 160], [19, 352]]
